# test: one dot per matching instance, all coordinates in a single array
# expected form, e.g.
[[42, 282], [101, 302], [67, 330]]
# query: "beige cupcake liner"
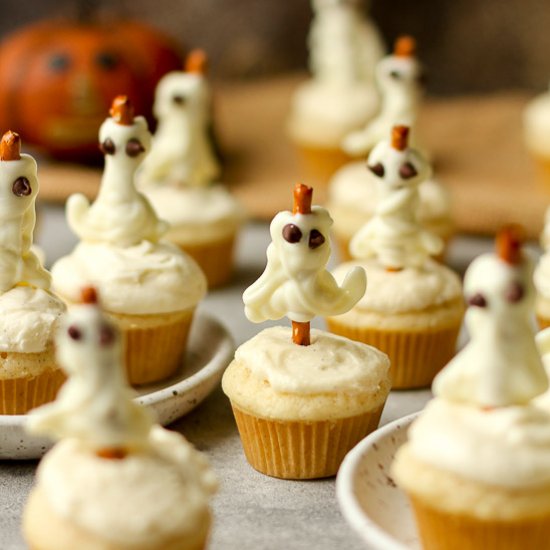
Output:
[[216, 259], [301, 450], [445, 531], [20, 395], [322, 163], [153, 351], [415, 356]]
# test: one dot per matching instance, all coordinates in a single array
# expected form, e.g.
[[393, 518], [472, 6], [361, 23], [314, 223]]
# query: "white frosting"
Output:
[[330, 363], [295, 282], [95, 405], [398, 78], [407, 290], [142, 279], [536, 121], [181, 152], [506, 447], [394, 234], [542, 275], [28, 317], [120, 215], [500, 365], [142, 500]]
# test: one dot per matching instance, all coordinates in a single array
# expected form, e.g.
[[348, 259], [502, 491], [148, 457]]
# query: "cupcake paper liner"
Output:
[[322, 163], [301, 450], [445, 531], [415, 356]]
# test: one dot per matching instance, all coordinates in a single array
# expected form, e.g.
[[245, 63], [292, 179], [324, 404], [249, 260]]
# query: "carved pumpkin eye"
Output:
[[514, 293], [179, 99], [396, 75], [292, 233], [134, 148], [74, 332], [59, 62], [477, 300], [106, 335], [377, 169], [407, 171], [108, 147], [316, 239], [21, 187], [106, 60]]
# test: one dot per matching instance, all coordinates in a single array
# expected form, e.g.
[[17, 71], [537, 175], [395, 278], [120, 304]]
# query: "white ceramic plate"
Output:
[[371, 503], [209, 351]]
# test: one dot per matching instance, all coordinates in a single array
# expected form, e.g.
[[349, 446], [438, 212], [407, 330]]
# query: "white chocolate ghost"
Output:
[[18, 190], [95, 405], [120, 215], [181, 153], [394, 234], [295, 282], [500, 365], [399, 80]]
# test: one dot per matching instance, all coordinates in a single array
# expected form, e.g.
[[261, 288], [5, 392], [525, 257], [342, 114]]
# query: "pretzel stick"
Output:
[[404, 46], [508, 244], [113, 453], [196, 62], [400, 137], [10, 146], [122, 110]]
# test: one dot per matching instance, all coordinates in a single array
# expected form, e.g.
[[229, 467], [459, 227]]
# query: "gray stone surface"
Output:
[[252, 511]]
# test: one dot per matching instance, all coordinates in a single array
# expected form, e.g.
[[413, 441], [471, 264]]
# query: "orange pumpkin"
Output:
[[58, 78]]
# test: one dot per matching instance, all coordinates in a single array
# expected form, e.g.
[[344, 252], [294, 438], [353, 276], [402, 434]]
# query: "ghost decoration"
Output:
[[182, 153], [19, 265], [295, 282], [399, 78], [95, 405], [120, 214], [500, 366], [394, 235]]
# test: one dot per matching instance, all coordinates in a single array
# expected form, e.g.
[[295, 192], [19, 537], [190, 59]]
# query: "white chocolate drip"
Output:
[[398, 79], [394, 235], [500, 366], [181, 153], [295, 282], [120, 215], [95, 405], [18, 263]]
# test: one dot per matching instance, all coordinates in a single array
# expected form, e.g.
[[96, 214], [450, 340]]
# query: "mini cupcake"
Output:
[[414, 308], [115, 481], [477, 463], [178, 176], [341, 96], [150, 288], [303, 399], [29, 312]]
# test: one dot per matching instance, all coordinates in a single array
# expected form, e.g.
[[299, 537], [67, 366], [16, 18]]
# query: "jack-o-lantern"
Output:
[[58, 78]]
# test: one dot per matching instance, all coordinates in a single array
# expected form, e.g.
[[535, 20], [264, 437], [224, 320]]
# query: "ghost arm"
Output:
[[362, 141], [360, 245], [77, 212]]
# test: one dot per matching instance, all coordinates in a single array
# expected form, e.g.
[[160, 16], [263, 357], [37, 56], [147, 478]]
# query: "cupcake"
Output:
[[115, 480], [29, 312], [341, 96], [476, 466], [303, 398], [180, 176], [150, 288], [414, 308]]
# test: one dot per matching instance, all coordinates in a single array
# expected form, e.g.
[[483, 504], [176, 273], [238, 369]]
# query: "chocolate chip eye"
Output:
[[477, 300], [21, 187], [396, 75], [134, 147], [515, 292], [179, 99], [106, 335], [74, 332], [108, 147], [292, 233], [377, 169], [316, 239], [407, 171]]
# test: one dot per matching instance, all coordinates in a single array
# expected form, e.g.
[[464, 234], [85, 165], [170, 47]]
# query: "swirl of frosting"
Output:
[[146, 278], [536, 122]]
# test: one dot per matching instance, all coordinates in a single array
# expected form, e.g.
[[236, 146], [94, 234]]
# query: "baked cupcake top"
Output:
[[536, 124], [28, 311], [120, 250], [114, 474]]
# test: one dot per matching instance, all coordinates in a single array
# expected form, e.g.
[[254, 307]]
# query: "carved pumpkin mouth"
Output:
[[73, 131]]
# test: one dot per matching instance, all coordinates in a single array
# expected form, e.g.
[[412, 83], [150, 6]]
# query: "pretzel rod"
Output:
[[10, 146], [400, 137], [196, 62], [302, 199], [301, 333], [404, 46], [122, 110], [508, 244], [113, 453], [88, 295], [393, 269]]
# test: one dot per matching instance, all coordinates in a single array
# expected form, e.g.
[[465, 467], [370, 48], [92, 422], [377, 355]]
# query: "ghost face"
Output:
[[302, 241], [18, 186], [127, 144], [180, 93], [403, 75]]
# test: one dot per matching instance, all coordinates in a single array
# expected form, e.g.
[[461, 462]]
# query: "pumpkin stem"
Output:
[[10, 146], [196, 62], [405, 46], [122, 110]]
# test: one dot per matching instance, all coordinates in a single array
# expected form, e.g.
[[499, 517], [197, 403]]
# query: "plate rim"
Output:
[[345, 494]]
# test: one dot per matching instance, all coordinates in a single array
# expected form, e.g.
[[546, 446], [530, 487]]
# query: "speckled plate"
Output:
[[371, 503], [209, 352]]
